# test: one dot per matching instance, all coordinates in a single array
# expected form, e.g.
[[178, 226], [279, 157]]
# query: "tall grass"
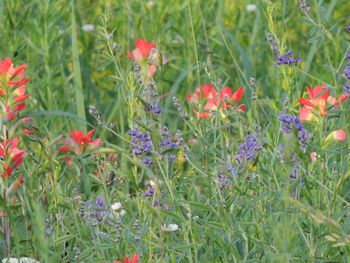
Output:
[[261, 214]]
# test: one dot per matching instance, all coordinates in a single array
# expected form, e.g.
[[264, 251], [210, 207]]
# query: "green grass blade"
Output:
[[78, 85]]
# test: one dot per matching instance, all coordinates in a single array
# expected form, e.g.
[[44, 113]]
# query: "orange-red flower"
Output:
[[207, 95], [142, 50], [338, 135], [11, 156], [12, 88], [145, 54], [317, 104], [79, 142], [134, 259]]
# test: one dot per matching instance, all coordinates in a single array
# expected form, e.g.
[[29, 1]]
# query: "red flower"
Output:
[[12, 156], [79, 142], [338, 135], [134, 259], [142, 51], [11, 75], [146, 58], [208, 95], [317, 104], [12, 88]]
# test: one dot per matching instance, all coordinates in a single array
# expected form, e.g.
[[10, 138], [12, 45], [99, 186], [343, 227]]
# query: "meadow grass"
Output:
[[193, 195]]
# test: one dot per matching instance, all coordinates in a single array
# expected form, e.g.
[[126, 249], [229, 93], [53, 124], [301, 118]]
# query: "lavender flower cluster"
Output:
[[140, 142], [287, 121], [141, 145], [249, 149], [347, 68], [223, 180], [346, 87], [287, 59], [167, 144]]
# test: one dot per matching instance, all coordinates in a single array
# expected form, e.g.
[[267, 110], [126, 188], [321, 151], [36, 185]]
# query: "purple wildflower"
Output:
[[99, 202], [348, 56], [347, 28], [347, 72], [248, 149], [286, 123], [346, 89], [147, 161], [303, 135], [287, 59], [155, 109], [140, 142], [150, 191], [223, 180], [167, 144]]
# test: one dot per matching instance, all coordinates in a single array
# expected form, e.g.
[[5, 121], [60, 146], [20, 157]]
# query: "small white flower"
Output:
[[170, 227], [88, 27], [250, 8], [116, 206], [122, 212], [19, 260], [194, 218]]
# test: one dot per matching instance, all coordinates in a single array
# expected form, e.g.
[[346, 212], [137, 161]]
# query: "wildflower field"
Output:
[[175, 131]]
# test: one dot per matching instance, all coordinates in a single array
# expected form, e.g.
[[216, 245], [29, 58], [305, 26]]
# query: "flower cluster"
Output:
[[12, 89], [206, 95], [347, 28], [303, 135], [78, 143], [287, 59], [249, 149], [98, 212], [146, 56], [11, 156], [317, 103], [223, 180], [167, 144], [347, 72], [141, 142]]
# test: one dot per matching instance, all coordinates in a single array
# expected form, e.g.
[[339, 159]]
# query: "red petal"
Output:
[[5, 65], [237, 96], [304, 101], [226, 93], [18, 83], [131, 55], [134, 259], [19, 71], [144, 47], [64, 148], [208, 91]]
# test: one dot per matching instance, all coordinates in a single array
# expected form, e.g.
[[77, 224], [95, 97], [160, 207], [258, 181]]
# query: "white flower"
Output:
[[250, 8], [194, 218], [88, 27], [122, 212], [19, 260], [170, 227], [116, 206]]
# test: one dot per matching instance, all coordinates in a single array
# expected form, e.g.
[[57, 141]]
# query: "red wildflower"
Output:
[[146, 58], [317, 104], [207, 94], [134, 259], [142, 51], [11, 75], [12, 156], [12, 90], [338, 135], [79, 142]]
